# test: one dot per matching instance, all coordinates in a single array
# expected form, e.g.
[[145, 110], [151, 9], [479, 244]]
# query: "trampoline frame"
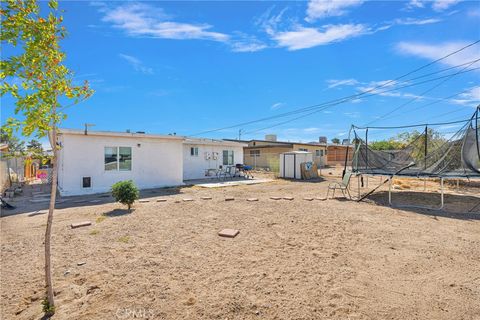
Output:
[[390, 176], [442, 197]]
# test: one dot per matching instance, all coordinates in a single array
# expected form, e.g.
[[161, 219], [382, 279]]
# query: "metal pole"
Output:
[[425, 158], [346, 153], [441, 186], [390, 191], [366, 149], [358, 185]]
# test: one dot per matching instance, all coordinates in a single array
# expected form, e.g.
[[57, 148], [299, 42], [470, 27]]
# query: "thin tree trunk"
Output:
[[48, 232]]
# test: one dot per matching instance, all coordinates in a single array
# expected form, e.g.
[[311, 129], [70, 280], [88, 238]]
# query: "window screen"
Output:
[[228, 157], [110, 158], [125, 159]]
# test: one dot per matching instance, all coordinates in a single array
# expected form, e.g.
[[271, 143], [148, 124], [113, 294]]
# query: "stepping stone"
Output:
[[308, 199], [288, 198], [143, 201], [161, 200], [81, 224], [177, 201], [81, 263], [275, 198], [187, 199], [252, 199], [36, 213], [206, 198], [320, 199], [229, 199], [228, 233]]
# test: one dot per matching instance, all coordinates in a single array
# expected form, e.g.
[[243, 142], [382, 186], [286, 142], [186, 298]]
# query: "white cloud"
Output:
[[332, 83], [415, 4], [138, 19], [437, 5], [355, 114], [436, 51], [440, 5], [418, 22], [302, 38], [246, 43], [241, 46], [327, 8], [136, 64], [469, 98], [312, 130], [277, 105]]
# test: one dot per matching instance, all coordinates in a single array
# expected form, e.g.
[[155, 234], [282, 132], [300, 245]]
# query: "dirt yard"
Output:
[[293, 259]]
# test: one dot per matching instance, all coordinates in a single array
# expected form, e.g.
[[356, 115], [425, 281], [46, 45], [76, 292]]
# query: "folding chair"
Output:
[[343, 186], [224, 172]]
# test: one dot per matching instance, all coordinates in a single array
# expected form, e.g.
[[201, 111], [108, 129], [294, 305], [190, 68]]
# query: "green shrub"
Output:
[[125, 192]]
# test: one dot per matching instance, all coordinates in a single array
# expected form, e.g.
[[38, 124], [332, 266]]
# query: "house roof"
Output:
[[205, 141], [288, 144], [119, 134]]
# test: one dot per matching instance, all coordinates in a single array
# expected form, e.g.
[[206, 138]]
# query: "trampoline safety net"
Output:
[[420, 150]]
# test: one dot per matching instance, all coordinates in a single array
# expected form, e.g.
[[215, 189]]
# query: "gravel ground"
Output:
[[293, 259]]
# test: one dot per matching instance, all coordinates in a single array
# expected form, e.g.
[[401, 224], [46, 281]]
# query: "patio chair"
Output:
[[343, 186], [225, 172]]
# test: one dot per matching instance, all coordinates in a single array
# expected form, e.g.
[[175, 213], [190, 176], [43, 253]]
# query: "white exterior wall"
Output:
[[194, 166], [157, 162], [290, 164]]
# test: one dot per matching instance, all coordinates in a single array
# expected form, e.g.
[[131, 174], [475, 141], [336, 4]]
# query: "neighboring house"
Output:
[[4, 174], [265, 153], [93, 162], [202, 156]]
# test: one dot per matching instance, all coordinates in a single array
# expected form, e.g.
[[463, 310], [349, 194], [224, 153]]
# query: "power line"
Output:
[[434, 102], [344, 99], [340, 102], [421, 95]]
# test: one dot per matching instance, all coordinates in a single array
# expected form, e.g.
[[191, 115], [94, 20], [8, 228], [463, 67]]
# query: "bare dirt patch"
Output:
[[293, 259]]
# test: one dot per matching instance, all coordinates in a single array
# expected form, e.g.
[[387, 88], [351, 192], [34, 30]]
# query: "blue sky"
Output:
[[188, 67]]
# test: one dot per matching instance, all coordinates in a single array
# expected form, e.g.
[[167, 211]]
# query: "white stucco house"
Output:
[[92, 162], [200, 155]]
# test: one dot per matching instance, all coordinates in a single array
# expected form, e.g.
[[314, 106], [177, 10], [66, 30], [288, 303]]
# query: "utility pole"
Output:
[[240, 134]]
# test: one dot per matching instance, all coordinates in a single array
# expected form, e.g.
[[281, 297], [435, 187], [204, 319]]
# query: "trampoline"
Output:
[[425, 152]]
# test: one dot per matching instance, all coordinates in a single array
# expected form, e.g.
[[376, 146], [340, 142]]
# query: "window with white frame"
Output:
[[118, 158], [319, 153], [228, 157], [194, 151]]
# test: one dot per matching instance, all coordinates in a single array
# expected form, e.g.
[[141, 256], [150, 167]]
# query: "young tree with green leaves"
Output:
[[336, 140], [41, 86]]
